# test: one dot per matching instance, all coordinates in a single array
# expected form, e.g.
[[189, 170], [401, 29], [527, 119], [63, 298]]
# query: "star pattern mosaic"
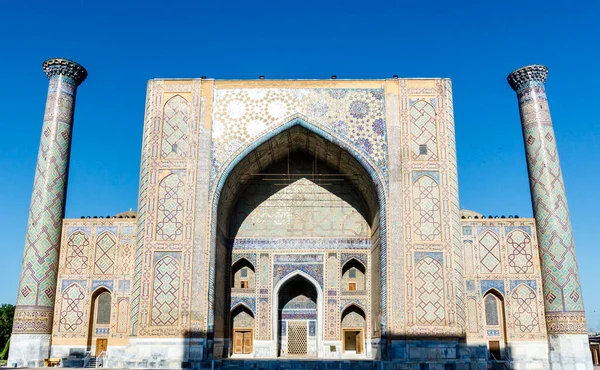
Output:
[[243, 115]]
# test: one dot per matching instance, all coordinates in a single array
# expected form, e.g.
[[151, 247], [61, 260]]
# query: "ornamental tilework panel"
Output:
[[166, 287], [423, 130], [490, 258], [524, 309], [122, 316], [345, 257], [170, 207], [520, 258], [492, 284], [249, 302], [282, 270], [105, 253], [72, 309], [241, 115], [77, 252], [469, 257], [472, 316], [426, 209], [332, 312], [429, 292], [250, 257], [332, 270], [175, 128]]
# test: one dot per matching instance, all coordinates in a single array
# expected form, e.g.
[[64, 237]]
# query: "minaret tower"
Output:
[[32, 328], [565, 315]]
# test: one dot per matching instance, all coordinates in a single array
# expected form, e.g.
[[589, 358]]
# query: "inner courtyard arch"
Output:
[[297, 202]]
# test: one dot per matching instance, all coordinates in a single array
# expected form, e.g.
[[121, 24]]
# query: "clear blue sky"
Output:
[[123, 44]]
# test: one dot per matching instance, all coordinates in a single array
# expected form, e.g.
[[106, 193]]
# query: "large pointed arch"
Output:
[[376, 176]]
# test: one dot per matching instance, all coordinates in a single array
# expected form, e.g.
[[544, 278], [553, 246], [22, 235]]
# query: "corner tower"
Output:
[[563, 301], [30, 341]]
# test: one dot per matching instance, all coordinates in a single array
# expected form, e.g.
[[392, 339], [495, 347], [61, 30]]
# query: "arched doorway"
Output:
[[353, 326], [99, 324], [242, 323], [493, 303], [298, 316], [291, 203]]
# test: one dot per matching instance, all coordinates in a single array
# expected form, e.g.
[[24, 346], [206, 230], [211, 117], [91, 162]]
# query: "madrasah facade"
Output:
[[299, 219]]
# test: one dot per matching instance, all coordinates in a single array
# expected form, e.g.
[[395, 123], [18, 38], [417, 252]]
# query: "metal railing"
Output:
[[86, 358], [100, 359]]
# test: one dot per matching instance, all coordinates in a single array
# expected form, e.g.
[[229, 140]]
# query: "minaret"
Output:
[[32, 328], [565, 315]]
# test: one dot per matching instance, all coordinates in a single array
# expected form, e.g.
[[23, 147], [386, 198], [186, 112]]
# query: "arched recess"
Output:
[[297, 288], [519, 251], [99, 321], [524, 308], [353, 326], [495, 323], [72, 309], [325, 150], [354, 276], [242, 326], [175, 128], [242, 275]]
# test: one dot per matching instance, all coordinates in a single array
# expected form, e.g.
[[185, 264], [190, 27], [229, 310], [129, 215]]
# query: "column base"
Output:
[[570, 352], [28, 350]]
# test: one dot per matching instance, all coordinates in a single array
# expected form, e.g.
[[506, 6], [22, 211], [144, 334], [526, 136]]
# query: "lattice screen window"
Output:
[[491, 310], [103, 313], [297, 338]]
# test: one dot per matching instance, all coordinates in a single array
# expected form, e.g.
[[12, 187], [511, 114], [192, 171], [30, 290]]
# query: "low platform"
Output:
[[322, 364]]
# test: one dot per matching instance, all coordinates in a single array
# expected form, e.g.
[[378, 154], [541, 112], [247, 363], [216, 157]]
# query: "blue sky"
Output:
[[476, 44]]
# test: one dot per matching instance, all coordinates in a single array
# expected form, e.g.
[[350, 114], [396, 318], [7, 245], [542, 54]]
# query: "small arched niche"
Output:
[[353, 326], [242, 274], [353, 276]]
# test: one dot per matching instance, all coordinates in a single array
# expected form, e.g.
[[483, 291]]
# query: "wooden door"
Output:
[[242, 341], [247, 342], [359, 342], [238, 341], [495, 349], [349, 340], [101, 345]]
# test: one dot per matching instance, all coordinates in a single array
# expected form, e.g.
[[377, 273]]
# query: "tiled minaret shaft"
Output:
[[37, 286], [565, 315]]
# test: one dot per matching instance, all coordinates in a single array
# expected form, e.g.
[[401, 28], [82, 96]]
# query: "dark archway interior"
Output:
[[291, 155], [297, 292], [353, 263]]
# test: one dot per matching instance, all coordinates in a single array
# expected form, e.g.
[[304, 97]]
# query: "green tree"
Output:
[[7, 313]]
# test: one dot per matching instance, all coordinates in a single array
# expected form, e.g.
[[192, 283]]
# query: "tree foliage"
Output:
[[7, 313]]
